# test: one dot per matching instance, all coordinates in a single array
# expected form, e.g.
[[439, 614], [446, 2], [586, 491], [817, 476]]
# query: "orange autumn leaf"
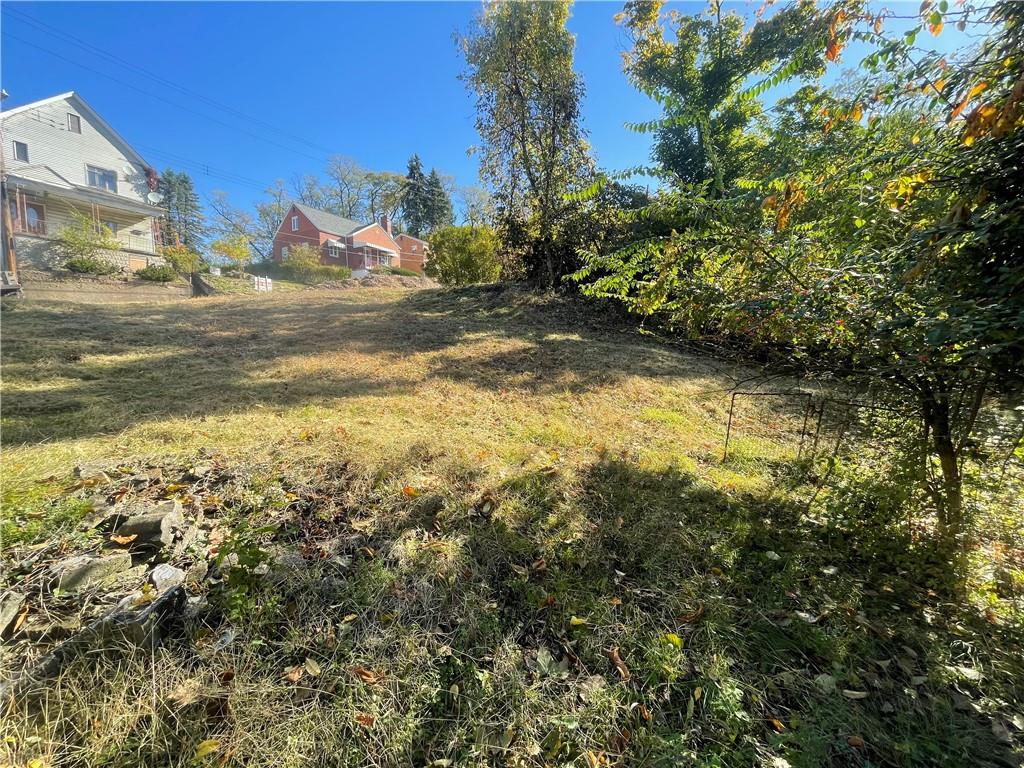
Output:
[[620, 665], [365, 720], [122, 540], [979, 88], [410, 492], [936, 29], [367, 676]]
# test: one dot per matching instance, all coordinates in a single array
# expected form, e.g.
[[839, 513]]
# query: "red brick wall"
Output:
[[307, 233], [411, 259]]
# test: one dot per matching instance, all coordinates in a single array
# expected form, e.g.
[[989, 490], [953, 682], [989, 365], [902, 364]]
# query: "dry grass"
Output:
[[508, 488]]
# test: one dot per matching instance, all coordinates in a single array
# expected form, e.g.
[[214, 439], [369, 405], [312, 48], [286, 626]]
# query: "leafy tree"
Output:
[[181, 258], [84, 240], [464, 255], [234, 248], [184, 222], [302, 260], [696, 65], [385, 192], [477, 206], [888, 251], [532, 149], [416, 202]]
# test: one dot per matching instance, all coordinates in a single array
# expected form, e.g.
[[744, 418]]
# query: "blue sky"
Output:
[[240, 94]]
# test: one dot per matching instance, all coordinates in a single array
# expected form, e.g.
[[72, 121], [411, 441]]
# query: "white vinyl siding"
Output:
[[45, 129]]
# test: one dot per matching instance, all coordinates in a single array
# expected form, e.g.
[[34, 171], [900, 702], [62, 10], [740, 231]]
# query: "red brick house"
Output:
[[346, 243]]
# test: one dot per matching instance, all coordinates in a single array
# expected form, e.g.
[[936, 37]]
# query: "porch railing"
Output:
[[126, 239]]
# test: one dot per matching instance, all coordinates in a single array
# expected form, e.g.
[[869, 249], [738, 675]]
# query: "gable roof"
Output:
[[89, 112], [412, 237], [329, 222]]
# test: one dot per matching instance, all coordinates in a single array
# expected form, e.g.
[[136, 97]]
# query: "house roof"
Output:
[[93, 115], [329, 222], [411, 237]]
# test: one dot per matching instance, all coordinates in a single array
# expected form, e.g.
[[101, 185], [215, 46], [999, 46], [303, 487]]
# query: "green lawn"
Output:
[[519, 546]]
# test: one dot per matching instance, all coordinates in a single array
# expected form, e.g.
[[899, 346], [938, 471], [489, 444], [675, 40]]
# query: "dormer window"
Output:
[[295, 223], [74, 123]]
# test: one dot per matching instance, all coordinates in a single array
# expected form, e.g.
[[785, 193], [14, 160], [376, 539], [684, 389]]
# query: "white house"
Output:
[[61, 157]]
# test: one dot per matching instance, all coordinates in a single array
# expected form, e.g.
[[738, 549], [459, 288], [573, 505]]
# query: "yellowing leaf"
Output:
[[312, 667], [410, 492], [576, 621], [673, 639], [206, 748], [349, 618]]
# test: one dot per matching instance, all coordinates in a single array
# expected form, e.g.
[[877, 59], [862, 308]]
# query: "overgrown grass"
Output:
[[491, 492]]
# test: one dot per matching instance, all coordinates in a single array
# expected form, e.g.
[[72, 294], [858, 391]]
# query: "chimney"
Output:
[[385, 222]]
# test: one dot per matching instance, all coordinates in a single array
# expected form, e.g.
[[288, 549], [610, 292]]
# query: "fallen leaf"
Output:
[[349, 617], [692, 617], [576, 621], [673, 639], [855, 694], [614, 601], [697, 693], [620, 665], [123, 540], [227, 676], [856, 742], [411, 493], [777, 725], [293, 674], [368, 677], [312, 667], [206, 748], [365, 720]]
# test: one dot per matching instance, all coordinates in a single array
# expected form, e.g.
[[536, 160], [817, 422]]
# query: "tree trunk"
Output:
[[949, 498]]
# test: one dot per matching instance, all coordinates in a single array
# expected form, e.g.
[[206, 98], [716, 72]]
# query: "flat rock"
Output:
[[83, 571], [166, 576], [10, 605], [155, 527]]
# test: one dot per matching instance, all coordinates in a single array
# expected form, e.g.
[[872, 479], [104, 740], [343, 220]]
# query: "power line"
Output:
[[161, 98], [27, 19]]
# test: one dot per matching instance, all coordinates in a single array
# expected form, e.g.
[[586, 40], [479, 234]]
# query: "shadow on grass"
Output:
[[74, 371], [477, 626]]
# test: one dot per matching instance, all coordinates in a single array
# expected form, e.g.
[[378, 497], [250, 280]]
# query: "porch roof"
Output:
[[81, 194]]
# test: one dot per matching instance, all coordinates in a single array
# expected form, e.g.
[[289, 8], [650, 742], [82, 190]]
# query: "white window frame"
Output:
[[74, 123], [88, 173], [23, 144], [284, 252], [295, 223], [333, 252]]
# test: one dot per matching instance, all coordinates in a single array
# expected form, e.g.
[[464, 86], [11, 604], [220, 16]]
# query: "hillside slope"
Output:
[[464, 528]]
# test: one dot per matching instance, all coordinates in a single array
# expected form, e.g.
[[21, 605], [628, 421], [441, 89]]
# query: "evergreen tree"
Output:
[[415, 205], [184, 222], [439, 204]]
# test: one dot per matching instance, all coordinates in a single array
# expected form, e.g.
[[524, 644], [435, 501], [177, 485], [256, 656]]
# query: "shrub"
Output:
[[157, 273], [397, 271], [80, 243], [462, 255], [182, 259], [90, 265], [303, 265]]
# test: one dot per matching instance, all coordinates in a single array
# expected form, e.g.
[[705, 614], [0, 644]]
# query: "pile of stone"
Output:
[[149, 562]]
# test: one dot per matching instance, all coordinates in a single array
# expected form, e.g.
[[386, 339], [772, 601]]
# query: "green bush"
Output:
[[303, 265], [397, 271], [90, 265], [158, 273]]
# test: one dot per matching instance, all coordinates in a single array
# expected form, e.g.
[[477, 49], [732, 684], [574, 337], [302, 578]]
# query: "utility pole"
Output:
[[9, 283]]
